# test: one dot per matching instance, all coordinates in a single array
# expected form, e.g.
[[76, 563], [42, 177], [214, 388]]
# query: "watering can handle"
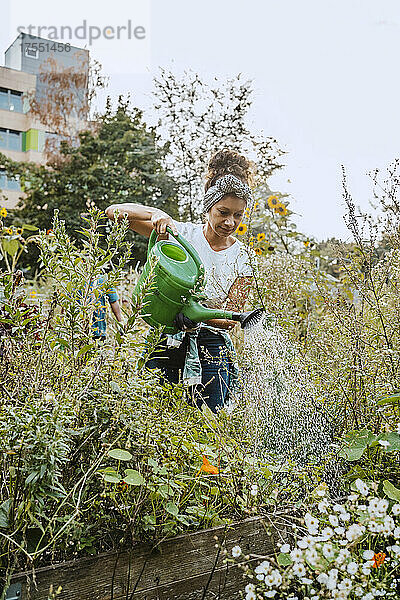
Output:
[[185, 244]]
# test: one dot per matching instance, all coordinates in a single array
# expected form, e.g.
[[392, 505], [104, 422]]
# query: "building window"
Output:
[[31, 52], [11, 100], [10, 139], [9, 183]]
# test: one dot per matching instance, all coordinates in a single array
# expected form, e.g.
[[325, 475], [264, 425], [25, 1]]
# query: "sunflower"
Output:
[[272, 201], [258, 251], [241, 230], [306, 243], [256, 205], [9, 230], [260, 237], [3, 212], [19, 231], [281, 209]]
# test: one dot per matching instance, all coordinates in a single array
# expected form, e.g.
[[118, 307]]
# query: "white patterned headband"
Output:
[[227, 184]]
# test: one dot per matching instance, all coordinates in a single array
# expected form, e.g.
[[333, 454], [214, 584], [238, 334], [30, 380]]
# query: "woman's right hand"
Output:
[[160, 221]]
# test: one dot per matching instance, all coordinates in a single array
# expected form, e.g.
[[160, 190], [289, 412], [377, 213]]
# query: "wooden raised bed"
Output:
[[187, 567]]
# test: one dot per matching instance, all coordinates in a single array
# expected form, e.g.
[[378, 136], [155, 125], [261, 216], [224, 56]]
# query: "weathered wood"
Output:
[[167, 571]]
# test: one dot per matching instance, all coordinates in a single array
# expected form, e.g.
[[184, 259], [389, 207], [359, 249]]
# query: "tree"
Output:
[[120, 162], [199, 119]]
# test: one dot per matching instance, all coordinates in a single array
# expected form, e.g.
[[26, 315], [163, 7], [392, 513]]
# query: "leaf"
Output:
[[11, 246], [30, 227], [112, 477], [394, 440], [133, 477], [84, 350], [284, 560], [391, 490], [356, 443], [119, 454], [395, 399], [4, 510], [172, 508]]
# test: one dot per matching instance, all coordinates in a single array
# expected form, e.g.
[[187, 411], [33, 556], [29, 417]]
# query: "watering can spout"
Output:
[[199, 313]]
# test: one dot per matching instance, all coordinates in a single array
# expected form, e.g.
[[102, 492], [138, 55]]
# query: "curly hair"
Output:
[[226, 162]]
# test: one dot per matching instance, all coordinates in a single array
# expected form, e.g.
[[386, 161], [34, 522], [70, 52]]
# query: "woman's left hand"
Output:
[[222, 323]]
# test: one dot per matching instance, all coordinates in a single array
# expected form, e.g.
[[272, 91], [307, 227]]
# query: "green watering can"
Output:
[[179, 279]]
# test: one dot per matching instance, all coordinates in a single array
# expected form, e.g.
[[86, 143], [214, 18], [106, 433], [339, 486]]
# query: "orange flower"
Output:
[[379, 559], [49, 231], [207, 467]]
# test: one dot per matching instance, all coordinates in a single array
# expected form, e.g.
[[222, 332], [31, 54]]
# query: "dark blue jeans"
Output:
[[215, 364]]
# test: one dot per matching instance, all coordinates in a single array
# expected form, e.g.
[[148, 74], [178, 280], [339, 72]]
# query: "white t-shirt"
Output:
[[222, 268]]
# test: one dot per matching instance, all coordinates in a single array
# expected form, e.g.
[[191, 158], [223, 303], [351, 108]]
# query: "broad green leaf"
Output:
[[172, 508], [284, 559], [133, 477], [11, 246], [394, 440], [119, 454], [354, 453], [391, 491], [112, 477], [30, 227]]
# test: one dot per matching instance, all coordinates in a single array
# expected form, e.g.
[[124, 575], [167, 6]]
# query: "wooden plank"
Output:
[[186, 558]]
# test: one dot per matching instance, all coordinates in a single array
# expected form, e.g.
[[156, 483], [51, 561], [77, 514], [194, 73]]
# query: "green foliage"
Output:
[[120, 161]]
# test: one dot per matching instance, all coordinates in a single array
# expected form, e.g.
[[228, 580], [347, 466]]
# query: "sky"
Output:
[[324, 73]]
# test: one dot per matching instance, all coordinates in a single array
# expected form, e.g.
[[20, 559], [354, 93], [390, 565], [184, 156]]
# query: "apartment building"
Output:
[[22, 137]]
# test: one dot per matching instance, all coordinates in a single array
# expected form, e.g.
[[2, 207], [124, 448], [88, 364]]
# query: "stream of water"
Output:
[[282, 413]]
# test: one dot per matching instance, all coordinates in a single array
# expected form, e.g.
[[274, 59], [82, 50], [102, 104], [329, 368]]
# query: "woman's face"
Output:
[[226, 215]]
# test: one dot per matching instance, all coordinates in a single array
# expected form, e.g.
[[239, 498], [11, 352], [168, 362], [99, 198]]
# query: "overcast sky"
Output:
[[325, 75]]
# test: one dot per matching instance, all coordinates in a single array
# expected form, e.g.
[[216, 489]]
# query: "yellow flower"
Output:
[[241, 230], [247, 212], [260, 237], [8, 230], [281, 209], [19, 231], [3, 212], [256, 205], [272, 201], [258, 251], [33, 294], [306, 243]]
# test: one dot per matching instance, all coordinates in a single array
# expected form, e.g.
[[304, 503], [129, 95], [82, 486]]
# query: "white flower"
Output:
[[236, 551], [305, 542], [270, 580], [396, 532], [327, 532], [270, 594], [344, 516], [366, 570], [311, 523], [260, 576], [384, 443], [251, 596], [352, 497], [262, 568], [345, 584], [368, 596], [358, 591], [342, 556], [254, 489], [396, 549], [396, 509], [333, 520], [388, 525], [368, 554], [340, 530], [328, 551], [296, 555], [49, 397], [277, 577], [354, 532], [250, 587], [285, 548], [299, 569], [361, 487], [322, 578], [311, 556], [323, 506], [382, 507], [321, 489], [352, 568]]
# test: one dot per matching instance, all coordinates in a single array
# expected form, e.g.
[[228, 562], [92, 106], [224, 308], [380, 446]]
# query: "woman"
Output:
[[204, 355]]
